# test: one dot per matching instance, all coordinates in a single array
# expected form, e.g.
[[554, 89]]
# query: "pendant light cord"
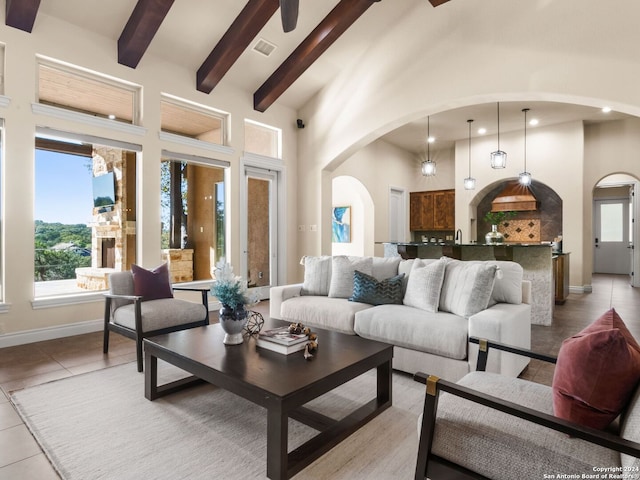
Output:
[[498, 125], [469, 121], [525, 110], [428, 140]]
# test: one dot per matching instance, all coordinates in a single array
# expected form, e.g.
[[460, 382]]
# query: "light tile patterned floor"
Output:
[[26, 365]]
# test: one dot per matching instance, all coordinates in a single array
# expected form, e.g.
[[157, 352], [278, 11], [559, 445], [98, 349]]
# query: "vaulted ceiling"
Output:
[[216, 40], [148, 19]]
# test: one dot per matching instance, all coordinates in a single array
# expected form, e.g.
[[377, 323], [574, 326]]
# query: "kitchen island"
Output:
[[536, 261]]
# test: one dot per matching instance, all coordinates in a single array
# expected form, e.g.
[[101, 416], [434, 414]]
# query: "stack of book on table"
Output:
[[281, 340]]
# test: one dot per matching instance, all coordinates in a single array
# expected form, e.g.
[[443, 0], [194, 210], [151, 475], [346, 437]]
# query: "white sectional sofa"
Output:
[[426, 308]]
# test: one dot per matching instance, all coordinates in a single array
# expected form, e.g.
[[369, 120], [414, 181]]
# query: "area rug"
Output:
[[100, 426]]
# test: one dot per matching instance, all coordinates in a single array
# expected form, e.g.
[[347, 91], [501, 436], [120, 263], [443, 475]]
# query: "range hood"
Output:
[[516, 197]]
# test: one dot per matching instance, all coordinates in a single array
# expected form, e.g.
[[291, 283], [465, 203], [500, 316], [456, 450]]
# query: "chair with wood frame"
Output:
[[487, 426], [130, 315]]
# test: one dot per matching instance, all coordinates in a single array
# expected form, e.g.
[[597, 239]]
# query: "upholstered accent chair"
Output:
[[489, 426], [130, 315]]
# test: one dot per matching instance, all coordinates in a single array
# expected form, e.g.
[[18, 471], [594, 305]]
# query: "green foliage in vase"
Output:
[[496, 218], [229, 288]]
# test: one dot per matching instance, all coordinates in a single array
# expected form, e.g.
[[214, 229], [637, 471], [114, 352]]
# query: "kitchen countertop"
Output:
[[430, 244]]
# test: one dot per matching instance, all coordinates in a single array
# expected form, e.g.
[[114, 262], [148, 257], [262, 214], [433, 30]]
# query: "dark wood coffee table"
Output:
[[280, 383]]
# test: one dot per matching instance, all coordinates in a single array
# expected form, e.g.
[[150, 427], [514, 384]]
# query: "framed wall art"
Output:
[[341, 224]]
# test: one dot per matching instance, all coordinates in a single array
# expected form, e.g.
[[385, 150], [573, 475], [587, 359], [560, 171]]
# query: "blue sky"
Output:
[[63, 188]]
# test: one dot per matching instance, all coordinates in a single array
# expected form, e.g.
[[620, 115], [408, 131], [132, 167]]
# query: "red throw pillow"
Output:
[[151, 284], [596, 373]]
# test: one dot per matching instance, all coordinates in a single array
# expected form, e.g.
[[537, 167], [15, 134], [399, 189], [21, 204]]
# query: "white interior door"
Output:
[[397, 215], [612, 236]]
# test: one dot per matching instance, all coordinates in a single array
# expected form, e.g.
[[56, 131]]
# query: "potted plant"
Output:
[[233, 294], [494, 237]]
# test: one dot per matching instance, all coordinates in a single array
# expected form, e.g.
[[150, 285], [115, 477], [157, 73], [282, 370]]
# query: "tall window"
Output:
[[262, 139], [85, 213], [193, 217]]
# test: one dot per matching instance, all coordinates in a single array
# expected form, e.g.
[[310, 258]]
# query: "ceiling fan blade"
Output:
[[289, 12], [436, 3]]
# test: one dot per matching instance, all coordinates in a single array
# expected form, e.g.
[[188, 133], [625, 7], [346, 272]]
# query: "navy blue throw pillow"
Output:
[[366, 289]]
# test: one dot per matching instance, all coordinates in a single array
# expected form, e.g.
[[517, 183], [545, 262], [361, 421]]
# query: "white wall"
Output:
[[541, 50], [60, 41]]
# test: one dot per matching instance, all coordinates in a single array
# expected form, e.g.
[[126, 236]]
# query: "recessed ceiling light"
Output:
[[431, 139], [533, 122], [606, 109], [482, 131]]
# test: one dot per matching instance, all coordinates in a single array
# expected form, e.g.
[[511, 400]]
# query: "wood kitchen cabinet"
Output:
[[433, 210], [561, 277]]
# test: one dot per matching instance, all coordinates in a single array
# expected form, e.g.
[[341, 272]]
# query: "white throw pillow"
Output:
[[385, 267], [342, 268], [425, 282], [467, 287], [317, 275], [508, 286]]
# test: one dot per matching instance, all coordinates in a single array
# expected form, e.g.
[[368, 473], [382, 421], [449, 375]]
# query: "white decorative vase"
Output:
[[232, 322], [494, 237]]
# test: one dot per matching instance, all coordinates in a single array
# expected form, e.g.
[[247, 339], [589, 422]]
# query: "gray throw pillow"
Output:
[[342, 269], [467, 287], [423, 287], [366, 289], [317, 275]]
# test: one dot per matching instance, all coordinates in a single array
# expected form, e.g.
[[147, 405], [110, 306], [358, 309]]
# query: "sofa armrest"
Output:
[[526, 291], [504, 323], [279, 294]]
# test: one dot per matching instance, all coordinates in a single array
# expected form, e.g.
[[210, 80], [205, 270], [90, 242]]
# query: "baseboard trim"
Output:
[[50, 333]]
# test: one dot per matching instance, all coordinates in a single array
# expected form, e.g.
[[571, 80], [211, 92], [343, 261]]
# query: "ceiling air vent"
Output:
[[264, 47]]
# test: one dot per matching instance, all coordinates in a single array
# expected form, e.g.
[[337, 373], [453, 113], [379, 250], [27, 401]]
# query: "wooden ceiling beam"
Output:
[[140, 29], [319, 40], [236, 39], [21, 14]]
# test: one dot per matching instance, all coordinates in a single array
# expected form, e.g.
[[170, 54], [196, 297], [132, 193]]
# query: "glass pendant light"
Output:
[[469, 182], [498, 158], [428, 167], [525, 177]]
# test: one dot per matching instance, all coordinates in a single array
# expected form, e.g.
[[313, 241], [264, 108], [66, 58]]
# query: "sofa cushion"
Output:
[[161, 313], [438, 333], [366, 289], [151, 284], [322, 312], [423, 287], [342, 268], [596, 372], [630, 429], [317, 275], [467, 287], [504, 447]]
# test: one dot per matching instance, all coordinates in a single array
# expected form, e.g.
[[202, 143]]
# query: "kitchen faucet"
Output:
[[459, 236]]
